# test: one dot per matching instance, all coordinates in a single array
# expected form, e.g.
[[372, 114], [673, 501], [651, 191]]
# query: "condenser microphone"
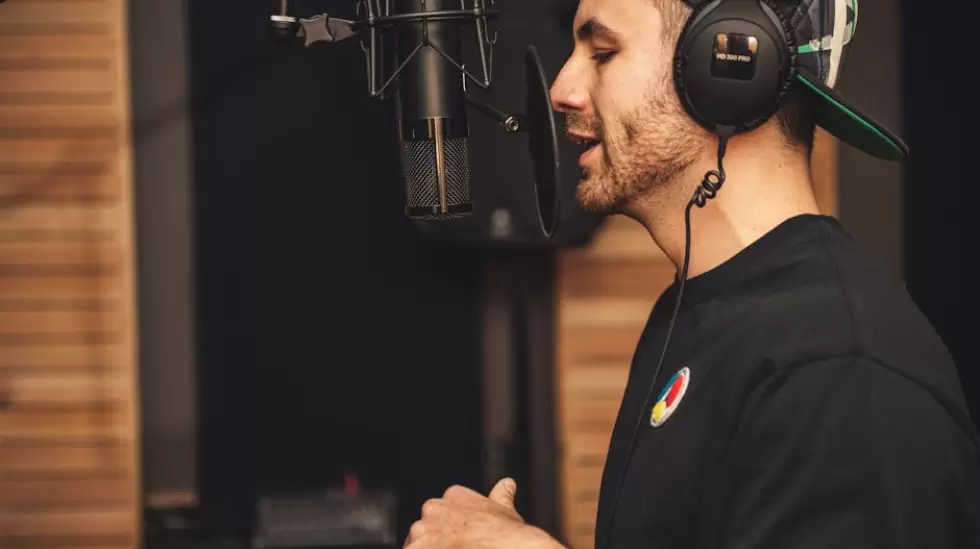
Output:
[[431, 105]]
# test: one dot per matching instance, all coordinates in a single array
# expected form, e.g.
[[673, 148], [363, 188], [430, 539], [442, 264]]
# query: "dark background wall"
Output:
[[941, 117], [333, 336]]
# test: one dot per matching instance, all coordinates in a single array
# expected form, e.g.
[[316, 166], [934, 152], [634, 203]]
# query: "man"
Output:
[[805, 402]]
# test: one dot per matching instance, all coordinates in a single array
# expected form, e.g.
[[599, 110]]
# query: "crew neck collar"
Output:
[[779, 247]]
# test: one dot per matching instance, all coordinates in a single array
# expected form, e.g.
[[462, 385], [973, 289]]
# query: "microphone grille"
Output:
[[420, 167]]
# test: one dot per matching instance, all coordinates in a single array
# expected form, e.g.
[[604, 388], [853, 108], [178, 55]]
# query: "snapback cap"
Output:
[[823, 30]]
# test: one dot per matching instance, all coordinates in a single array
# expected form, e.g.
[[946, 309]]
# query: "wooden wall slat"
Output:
[[592, 416], [66, 493], [59, 322], [14, 109], [586, 449], [73, 522], [589, 346], [95, 389], [71, 253], [91, 218], [72, 46], [59, 189], [36, 459], [69, 471], [68, 542], [602, 382], [586, 313], [59, 287], [92, 11], [619, 238], [615, 279], [606, 291], [79, 124], [78, 80], [67, 421], [25, 154], [68, 358]]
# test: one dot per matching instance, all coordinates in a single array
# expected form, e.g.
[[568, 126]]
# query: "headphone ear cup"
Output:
[[735, 62]]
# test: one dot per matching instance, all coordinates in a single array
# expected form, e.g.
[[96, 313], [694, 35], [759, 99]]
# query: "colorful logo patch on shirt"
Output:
[[670, 397]]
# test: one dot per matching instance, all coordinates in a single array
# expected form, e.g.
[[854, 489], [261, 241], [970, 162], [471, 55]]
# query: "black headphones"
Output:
[[734, 64]]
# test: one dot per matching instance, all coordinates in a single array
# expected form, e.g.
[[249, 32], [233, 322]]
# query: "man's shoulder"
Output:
[[877, 323], [840, 304], [840, 300]]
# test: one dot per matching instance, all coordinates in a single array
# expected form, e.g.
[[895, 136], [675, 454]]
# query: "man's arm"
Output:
[[845, 453]]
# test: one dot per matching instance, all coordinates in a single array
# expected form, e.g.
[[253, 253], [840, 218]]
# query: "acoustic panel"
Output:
[[69, 475]]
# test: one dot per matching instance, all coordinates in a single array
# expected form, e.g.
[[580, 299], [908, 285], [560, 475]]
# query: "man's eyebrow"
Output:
[[594, 29]]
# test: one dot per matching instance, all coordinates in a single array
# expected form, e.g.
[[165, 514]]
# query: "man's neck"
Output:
[[764, 186]]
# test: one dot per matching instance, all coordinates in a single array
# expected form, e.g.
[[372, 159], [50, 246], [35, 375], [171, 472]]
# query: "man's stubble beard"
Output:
[[648, 150]]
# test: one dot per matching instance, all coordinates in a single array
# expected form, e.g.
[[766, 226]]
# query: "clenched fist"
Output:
[[464, 519]]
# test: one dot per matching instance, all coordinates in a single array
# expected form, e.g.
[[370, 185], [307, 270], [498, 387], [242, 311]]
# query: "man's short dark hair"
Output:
[[797, 120], [796, 116]]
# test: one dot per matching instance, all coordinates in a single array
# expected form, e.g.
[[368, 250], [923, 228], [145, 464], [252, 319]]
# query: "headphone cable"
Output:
[[708, 189]]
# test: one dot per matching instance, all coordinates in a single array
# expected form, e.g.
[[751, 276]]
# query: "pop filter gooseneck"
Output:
[[542, 143]]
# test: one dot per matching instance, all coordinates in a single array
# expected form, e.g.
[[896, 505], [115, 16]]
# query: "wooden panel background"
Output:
[[605, 294], [68, 430]]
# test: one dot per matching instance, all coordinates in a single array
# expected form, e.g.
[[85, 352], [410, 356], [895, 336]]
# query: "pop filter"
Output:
[[542, 143], [530, 225]]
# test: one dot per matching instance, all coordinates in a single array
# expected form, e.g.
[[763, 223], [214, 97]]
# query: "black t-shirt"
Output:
[[810, 405]]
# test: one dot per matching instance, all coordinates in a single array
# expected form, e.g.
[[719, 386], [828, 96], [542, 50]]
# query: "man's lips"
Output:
[[589, 142]]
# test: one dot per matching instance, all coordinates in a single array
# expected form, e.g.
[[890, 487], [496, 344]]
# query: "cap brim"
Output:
[[849, 124]]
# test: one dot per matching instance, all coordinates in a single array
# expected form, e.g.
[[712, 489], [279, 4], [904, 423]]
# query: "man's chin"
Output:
[[594, 197]]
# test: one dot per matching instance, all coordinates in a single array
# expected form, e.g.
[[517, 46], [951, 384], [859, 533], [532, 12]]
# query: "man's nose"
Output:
[[567, 93]]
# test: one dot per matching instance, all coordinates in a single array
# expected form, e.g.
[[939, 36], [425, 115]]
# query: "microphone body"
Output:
[[433, 128]]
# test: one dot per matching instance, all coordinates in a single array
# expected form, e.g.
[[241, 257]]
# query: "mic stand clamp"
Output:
[[285, 29], [323, 28]]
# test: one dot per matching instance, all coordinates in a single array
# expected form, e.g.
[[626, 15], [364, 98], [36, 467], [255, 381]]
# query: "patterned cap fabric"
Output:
[[823, 30]]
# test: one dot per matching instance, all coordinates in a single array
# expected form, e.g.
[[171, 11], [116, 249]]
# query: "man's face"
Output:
[[616, 91]]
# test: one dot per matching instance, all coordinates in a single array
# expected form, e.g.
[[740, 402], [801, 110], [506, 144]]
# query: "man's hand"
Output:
[[464, 519]]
